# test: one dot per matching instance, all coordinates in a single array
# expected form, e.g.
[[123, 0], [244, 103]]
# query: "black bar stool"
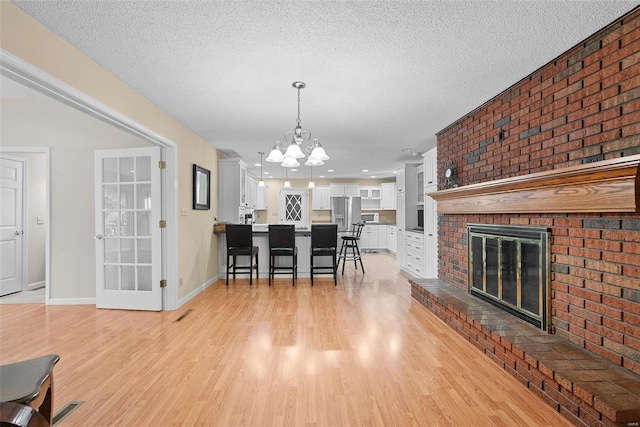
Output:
[[324, 243], [350, 241], [240, 243], [282, 243]]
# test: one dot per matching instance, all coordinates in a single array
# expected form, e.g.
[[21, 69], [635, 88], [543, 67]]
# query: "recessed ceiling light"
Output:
[[329, 170], [372, 176], [294, 170], [394, 172], [321, 176], [266, 173], [257, 164], [365, 170]]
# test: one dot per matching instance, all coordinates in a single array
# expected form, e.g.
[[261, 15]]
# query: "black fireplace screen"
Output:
[[508, 266]]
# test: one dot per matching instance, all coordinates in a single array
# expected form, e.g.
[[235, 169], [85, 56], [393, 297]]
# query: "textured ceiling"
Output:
[[381, 76]]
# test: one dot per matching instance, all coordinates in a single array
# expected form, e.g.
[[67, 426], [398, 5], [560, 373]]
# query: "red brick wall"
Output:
[[584, 104]]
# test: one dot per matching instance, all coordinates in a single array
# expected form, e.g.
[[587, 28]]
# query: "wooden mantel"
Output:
[[605, 186]]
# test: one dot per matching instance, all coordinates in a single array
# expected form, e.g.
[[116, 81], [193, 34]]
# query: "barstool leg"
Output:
[[360, 257]]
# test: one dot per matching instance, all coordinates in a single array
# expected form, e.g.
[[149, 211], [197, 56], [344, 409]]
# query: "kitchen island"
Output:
[[261, 240]]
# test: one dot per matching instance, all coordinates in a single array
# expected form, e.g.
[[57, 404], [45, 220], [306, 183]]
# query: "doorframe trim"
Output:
[[27, 74]]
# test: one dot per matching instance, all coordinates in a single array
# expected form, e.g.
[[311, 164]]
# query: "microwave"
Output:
[[370, 217]]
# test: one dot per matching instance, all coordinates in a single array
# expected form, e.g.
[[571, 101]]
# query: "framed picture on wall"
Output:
[[201, 188]]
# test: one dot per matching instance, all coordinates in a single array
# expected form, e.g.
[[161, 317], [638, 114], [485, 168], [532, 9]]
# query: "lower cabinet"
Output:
[[414, 253], [392, 238], [369, 237]]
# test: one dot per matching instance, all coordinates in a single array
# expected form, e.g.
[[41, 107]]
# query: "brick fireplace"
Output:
[[560, 150], [582, 107]]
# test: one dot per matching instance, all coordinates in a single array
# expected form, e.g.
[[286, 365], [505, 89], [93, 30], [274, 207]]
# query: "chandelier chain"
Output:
[[298, 106]]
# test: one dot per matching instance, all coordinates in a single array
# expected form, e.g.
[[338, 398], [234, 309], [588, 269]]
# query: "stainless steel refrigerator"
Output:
[[345, 211]]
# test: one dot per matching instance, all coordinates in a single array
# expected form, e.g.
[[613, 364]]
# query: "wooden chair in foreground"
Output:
[[28, 383]]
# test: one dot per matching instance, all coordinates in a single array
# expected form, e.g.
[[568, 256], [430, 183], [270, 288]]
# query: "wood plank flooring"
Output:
[[359, 354]]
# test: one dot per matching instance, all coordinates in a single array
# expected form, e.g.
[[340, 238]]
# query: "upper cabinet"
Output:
[[388, 195], [344, 190], [420, 184], [400, 180], [232, 181], [430, 167], [320, 198], [371, 193]]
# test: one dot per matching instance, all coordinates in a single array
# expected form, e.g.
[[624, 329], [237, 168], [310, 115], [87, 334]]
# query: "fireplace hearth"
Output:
[[509, 268]]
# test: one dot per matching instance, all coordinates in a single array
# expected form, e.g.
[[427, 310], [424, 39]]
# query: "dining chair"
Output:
[[240, 244], [350, 242], [282, 243], [324, 243]]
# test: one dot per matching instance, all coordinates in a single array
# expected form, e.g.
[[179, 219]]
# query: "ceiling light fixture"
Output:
[[261, 182], [287, 184], [295, 140]]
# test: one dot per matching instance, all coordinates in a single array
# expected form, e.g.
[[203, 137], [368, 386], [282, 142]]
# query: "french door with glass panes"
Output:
[[128, 234]]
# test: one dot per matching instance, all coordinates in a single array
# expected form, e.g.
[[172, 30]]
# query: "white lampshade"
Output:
[[313, 162], [312, 184], [318, 153], [294, 151], [261, 183], [290, 162], [287, 184], [275, 156]]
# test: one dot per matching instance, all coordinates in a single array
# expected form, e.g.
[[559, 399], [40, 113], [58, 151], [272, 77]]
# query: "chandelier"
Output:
[[296, 140]]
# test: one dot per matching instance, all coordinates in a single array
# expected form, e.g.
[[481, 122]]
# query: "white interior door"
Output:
[[293, 207], [128, 235], [11, 232]]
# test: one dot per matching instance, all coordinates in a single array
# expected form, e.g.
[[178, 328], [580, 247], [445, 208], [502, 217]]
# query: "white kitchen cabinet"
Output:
[[430, 167], [400, 224], [344, 190], [420, 184], [414, 253], [251, 191], [231, 189], [430, 257], [388, 195], [369, 237], [430, 213], [262, 198], [382, 236], [370, 193], [400, 181], [320, 198], [392, 238]]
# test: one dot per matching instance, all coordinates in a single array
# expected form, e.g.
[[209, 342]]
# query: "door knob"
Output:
[[98, 237], [18, 232]]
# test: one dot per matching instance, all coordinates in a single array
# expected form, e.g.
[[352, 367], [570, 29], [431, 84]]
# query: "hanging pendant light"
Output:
[[311, 183], [287, 184], [261, 182]]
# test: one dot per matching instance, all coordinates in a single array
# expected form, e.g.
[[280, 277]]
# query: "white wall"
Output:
[[72, 137]]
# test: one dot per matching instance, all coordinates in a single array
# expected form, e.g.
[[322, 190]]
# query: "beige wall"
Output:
[[36, 206], [275, 185], [25, 38]]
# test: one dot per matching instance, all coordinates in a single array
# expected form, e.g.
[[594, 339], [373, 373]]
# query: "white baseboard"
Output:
[[196, 291], [35, 285], [72, 301]]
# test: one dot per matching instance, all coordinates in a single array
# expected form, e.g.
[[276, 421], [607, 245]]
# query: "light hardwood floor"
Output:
[[359, 354]]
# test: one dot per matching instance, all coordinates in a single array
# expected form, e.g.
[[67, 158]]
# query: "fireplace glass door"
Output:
[[508, 267]]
